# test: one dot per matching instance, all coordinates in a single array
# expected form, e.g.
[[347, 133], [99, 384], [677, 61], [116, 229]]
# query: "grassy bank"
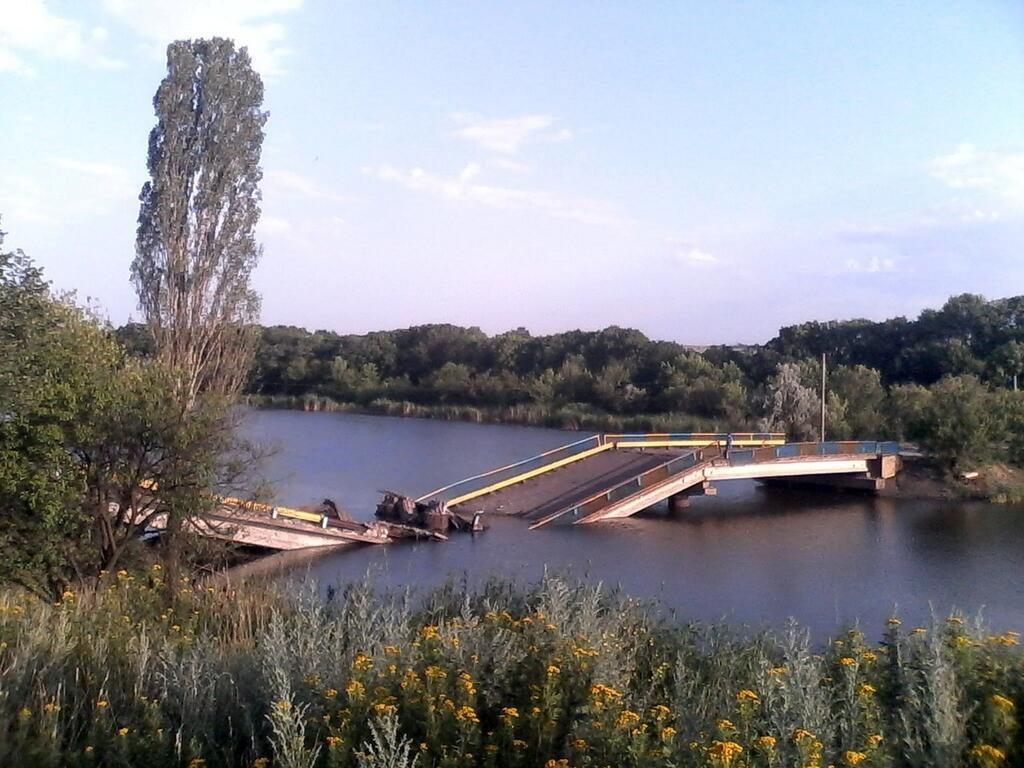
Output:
[[559, 675], [576, 417]]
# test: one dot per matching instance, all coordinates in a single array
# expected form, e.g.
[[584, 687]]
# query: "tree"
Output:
[[789, 405], [963, 423], [196, 247]]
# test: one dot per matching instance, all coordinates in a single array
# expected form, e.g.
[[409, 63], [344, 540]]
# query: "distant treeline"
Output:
[[883, 376]]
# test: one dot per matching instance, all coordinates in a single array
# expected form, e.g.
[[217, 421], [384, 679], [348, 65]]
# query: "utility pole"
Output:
[[823, 397]]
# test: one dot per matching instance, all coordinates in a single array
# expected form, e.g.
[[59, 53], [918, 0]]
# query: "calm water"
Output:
[[750, 555]]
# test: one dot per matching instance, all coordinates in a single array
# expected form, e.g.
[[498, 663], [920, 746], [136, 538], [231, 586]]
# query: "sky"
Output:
[[703, 171]]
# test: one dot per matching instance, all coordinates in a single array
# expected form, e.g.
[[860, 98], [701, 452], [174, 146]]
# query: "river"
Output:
[[751, 555]]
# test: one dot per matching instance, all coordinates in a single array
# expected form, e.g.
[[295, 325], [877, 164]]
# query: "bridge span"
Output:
[[609, 476]]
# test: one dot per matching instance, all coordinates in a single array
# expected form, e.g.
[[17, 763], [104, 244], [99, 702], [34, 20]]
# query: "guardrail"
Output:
[[737, 457]]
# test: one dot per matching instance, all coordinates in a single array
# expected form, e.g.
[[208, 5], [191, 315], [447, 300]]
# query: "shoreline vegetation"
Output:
[[139, 671]]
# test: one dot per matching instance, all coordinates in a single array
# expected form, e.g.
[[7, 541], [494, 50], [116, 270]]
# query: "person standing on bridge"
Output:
[[728, 445]]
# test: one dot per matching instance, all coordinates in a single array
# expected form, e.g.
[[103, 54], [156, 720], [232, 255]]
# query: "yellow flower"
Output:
[[355, 689], [778, 671], [157, 567], [724, 752], [627, 718], [383, 708], [866, 690], [261, 762], [847, 661], [436, 673], [955, 621], [334, 741], [668, 733], [801, 735], [69, 594], [1007, 639], [102, 704], [90, 749], [553, 670], [196, 762], [920, 631], [122, 574], [25, 713], [875, 739], [869, 656], [854, 758], [283, 705], [765, 743], [988, 755], [330, 693], [122, 731], [1002, 702], [391, 650], [580, 744], [725, 725], [509, 715], [660, 711], [894, 622], [746, 695], [563, 763], [519, 743], [52, 707], [430, 632], [362, 662], [467, 714]]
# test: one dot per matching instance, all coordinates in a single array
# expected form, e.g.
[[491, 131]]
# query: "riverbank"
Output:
[[554, 674], [571, 418]]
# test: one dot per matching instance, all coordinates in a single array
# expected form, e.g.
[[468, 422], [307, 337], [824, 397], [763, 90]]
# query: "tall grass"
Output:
[[560, 674]]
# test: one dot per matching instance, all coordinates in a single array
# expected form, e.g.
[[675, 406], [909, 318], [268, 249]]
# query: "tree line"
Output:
[[946, 379]]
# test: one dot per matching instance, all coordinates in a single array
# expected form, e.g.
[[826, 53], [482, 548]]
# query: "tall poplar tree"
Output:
[[196, 248]]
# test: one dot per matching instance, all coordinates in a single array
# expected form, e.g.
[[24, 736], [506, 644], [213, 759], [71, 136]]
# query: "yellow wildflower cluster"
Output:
[[603, 694], [747, 696], [334, 741], [1007, 639], [765, 743], [660, 711], [627, 719], [355, 689], [988, 755], [847, 661], [434, 672], [724, 752], [430, 632], [853, 758], [875, 739], [1002, 702], [509, 716], [362, 663], [866, 689], [582, 652], [467, 714]]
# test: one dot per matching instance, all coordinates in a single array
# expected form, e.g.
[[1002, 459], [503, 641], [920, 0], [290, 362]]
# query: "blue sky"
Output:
[[703, 171]]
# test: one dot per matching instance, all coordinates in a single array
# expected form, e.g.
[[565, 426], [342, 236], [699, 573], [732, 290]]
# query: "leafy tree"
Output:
[[962, 423], [862, 397], [789, 406], [196, 247]]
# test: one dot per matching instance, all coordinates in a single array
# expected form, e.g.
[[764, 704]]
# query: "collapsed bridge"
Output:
[[609, 476]]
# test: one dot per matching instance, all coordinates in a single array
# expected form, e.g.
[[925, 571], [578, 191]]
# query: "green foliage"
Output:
[[552, 675], [962, 422]]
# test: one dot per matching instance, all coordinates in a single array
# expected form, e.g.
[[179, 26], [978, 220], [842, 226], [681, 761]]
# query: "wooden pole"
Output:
[[823, 397]]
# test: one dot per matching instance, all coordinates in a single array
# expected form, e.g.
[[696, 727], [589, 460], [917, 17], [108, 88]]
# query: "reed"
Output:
[[135, 673]]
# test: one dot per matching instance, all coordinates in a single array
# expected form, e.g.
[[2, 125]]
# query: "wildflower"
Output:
[[725, 725], [330, 693], [435, 673], [467, 714], [25, 713], [853, 758], [765, 743], [801, 735], [627, 718], [283, 705], [52, 707], [725, 752], [509, 715], [334, 741], [122, 731], [311, 679], [847, 661], [175, 628], [102, 704], [423, 746], [778, 671], [1007, 639], [491, 749], [894, 622], [69, 594], [553, 670], [920, 631], [746, 695], [580, 744], [552, 763], [89, 749], [362, 662], [355, 689], [430, 632], [875, 739], [961, 641], [122, 574], [156, 567], [519, 743], [384, 708], [668, 733], [660, 711], [1002, 702], [869, 656], [601, 692], [988, 755], [261, 762], [866, 690], [196, 762], [956, 621], [392, 650]]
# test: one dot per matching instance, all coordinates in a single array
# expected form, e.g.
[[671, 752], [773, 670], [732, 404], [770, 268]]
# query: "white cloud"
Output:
[[696, 258], [465, 188], [508, 135], [967, 167], [22, 199], [250, 23], [274, 224], [871, 265], [28, 30], [294, 185]]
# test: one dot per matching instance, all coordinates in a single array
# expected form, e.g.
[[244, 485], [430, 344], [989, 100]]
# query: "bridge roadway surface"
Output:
[[569, 485]]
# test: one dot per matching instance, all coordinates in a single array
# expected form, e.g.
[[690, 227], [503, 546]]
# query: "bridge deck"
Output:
[[570, 484]]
